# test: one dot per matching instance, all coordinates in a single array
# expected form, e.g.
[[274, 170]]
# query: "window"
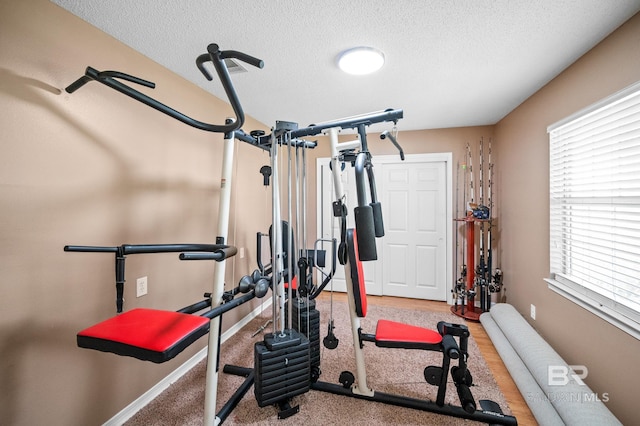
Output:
[[594, 189]]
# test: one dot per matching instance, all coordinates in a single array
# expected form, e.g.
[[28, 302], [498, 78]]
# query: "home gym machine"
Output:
[[159, 343], [282, 360], [359, 245]]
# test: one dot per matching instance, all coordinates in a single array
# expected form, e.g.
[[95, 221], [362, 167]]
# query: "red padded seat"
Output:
[[400, 335], [147, 334]]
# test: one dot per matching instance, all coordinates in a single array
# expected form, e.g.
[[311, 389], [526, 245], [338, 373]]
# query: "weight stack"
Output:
[[306, 320], [281, 364]]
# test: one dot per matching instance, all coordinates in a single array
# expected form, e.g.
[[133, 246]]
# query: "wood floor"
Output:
[[514, 398]]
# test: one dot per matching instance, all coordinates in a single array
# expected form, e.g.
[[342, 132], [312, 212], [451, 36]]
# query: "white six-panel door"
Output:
[[414, 257], [414, 246]]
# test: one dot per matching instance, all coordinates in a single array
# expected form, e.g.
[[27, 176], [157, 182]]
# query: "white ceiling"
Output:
[[448, 63]]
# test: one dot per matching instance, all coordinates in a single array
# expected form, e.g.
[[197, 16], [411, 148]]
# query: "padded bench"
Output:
[[528, 357], [147, 334]]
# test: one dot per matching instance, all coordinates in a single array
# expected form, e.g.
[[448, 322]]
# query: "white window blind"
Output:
[[595, 208]]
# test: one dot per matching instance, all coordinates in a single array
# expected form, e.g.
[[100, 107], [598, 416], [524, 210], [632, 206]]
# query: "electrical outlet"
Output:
[[533, 311], [241, 252], [141, 286]]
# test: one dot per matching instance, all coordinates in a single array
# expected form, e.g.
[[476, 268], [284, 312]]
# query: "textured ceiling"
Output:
[[448, 63]]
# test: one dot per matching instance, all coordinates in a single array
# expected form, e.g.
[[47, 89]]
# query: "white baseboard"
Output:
[[130, 410]]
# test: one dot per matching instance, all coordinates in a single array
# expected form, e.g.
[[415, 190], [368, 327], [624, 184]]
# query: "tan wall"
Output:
[[522, 147], [98, 168]]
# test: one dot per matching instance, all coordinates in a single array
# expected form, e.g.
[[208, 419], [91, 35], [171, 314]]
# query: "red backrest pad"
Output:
[[357, 274], [294, 283]]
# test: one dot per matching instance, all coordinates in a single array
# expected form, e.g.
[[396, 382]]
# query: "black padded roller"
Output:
[[466, 399], [365, 232], [450, 346], [377, 219]]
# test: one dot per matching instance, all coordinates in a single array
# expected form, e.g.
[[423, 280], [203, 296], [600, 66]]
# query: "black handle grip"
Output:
[[232, 54], [77, 84], [171, 248], [217, 255], [200, 60], [122, 76], [258, 63], [93, 74], [91, 249]]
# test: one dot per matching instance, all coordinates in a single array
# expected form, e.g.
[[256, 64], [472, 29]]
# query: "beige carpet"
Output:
[[395, 371]]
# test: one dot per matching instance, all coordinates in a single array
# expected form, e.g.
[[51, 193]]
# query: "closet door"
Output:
[[414, 249]]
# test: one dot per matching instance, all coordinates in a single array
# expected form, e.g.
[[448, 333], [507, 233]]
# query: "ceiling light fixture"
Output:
[[360, 60]]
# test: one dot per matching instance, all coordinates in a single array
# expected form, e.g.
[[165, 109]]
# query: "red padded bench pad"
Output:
[[146, 334], [397, 334]]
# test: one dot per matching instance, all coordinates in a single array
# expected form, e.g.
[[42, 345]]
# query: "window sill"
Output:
[[589, 302]]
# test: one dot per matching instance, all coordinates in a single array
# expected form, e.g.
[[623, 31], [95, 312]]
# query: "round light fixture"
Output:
[[361, 60]]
